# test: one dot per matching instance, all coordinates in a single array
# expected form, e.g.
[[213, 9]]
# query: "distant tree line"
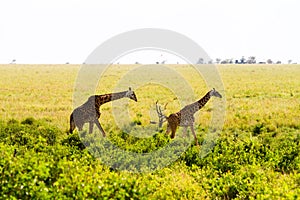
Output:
[[243, 60]]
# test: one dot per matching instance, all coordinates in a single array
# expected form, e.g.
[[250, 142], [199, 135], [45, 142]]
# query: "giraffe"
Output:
[[89, 112], [185, 117]]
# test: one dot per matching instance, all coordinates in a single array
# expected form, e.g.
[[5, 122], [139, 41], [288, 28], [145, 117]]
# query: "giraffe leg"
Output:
[[100, 127], [72, 124], [91, 127], [168, 129], [184, 131], [192, 129], [80, 128], [173, 129]]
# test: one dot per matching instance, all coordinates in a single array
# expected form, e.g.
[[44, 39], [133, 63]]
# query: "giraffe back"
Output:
[[85, 113]]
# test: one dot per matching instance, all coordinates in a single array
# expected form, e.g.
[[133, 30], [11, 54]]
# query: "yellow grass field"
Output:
[[269, 93]]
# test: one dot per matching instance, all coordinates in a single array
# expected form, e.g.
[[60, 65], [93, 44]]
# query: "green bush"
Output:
[[39, 161]]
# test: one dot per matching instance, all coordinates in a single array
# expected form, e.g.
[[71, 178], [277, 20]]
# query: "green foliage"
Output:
[[29, 121], [28, 133], [73, 140], [32, 166]]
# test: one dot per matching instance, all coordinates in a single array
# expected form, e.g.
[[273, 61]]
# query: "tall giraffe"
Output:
[[185, 117], [89, 112]]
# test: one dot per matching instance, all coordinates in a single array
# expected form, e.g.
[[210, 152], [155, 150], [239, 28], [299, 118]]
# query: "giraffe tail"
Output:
[[72, 123]]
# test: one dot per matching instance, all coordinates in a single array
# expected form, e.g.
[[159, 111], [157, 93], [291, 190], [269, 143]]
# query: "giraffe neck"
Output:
[[203, 100], [194, 107], [104, 98]]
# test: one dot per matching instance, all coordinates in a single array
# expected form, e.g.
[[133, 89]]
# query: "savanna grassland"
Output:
[[256, 156]]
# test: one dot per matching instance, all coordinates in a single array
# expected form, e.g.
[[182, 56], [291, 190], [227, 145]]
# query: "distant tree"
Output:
[[243, 60], [226, 61], [13, 61], [137, 63], [251, 60], [289, 61], [210, 62], [269, 61], [278, 62], [200, 61], [218, 60]]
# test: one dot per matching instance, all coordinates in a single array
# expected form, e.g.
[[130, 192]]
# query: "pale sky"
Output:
[[60, 31]]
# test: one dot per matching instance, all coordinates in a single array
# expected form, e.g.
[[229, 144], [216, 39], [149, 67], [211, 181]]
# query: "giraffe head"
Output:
[[215, 93], [130, 94]]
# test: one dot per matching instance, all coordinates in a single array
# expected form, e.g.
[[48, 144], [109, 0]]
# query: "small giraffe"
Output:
[[185, 117], [89, 112]]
